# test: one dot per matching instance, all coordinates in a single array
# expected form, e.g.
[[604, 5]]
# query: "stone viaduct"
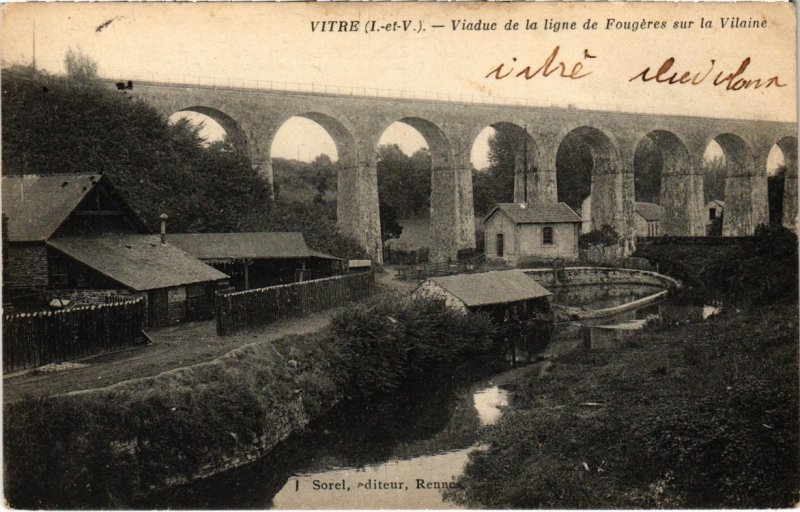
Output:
[[251, 118]]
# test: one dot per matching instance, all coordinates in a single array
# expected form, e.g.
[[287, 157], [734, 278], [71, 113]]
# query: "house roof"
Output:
[[540, 213], [324, 256], [224, 246], [36, 205], [495, 287], [649, 211], [138, 262]]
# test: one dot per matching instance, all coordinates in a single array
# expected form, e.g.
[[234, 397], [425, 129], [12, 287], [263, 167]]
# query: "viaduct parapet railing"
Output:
[[310, 88]]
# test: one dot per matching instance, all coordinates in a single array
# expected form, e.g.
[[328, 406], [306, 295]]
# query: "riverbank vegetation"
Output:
[[105, 448], [763, 268], [693, 414]]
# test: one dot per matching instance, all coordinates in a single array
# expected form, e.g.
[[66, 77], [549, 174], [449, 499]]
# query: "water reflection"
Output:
[[417, 441], [401, 451]]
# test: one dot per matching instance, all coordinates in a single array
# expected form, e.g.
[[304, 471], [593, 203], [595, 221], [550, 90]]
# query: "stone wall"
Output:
[[600, 275]]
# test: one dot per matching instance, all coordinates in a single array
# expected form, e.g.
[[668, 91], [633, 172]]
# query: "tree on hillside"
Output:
[[574, 164], [715, 172], [80, 66], [52, 127], [324, 176], [775, 188], [496, 183], [647, 166], [404, 182]]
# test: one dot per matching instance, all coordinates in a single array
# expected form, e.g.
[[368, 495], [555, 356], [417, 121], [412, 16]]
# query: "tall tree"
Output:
[[574, 164], [647, 168], [715, 172], [775, 187], [80, 66]]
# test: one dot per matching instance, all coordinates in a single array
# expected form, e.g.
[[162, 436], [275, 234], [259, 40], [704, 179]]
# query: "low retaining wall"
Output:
[[571, 276]]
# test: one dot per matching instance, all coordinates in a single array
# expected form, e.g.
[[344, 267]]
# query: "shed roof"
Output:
[[138, 262], [649, 211], [36, 205], [719, 202], [539, 213], [495, 287], [224, 246]]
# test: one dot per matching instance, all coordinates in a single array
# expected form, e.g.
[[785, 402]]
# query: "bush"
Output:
[[606, 236], [105, 447], [398, 339]]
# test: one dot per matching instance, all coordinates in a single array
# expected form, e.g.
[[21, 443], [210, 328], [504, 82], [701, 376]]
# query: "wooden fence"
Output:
[[440, 268], [36, 339], [254, 308]]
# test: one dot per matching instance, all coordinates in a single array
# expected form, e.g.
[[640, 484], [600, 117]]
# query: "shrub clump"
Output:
[[106, 447]]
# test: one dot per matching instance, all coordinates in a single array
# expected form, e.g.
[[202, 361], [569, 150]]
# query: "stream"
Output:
[[406, 450]]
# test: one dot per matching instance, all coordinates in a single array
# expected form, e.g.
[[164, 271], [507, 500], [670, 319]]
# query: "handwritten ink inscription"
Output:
[[548, 67], [735, 81], [576, 69]]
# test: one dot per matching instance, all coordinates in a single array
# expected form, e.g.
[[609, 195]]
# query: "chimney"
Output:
[[163, 218]]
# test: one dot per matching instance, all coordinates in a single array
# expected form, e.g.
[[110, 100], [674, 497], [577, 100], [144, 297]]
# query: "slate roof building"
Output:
[[647, 219], [531, 231], [255, 260], [73, 238], [504, 294]]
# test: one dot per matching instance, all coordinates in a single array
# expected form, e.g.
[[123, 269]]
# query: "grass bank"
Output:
[[105, 448], [693, 415]]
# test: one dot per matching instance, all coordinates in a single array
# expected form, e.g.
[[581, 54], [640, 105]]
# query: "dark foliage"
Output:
[[700, 415], [606, 236], [404, 182], [760, 270], [397, 339], [647, 168], [574, 164], [775, 187], [79, 126]]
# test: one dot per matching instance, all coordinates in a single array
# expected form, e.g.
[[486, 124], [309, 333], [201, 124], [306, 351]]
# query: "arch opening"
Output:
[[668, 194], [782, 183], [306, 154], [214, 126], [505, 159], [405, 162], [587, 179], [730, 169]]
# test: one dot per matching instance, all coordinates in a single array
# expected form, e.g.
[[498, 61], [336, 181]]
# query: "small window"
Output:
[[712, 213], [499, 245], [547, 235]]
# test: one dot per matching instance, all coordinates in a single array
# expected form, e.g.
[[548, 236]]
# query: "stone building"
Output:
[[515, 232], [73, 240], [647, 219]]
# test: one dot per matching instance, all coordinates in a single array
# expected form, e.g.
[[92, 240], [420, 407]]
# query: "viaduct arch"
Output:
[[251, 117]]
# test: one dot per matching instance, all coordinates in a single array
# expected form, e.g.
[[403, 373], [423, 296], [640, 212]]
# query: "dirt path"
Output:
[[173, 347]]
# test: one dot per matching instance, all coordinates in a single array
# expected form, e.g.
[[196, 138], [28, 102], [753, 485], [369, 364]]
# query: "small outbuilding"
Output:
[[259, 259], [506, 295], [716, 211], [536, 231], [647, 219]]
